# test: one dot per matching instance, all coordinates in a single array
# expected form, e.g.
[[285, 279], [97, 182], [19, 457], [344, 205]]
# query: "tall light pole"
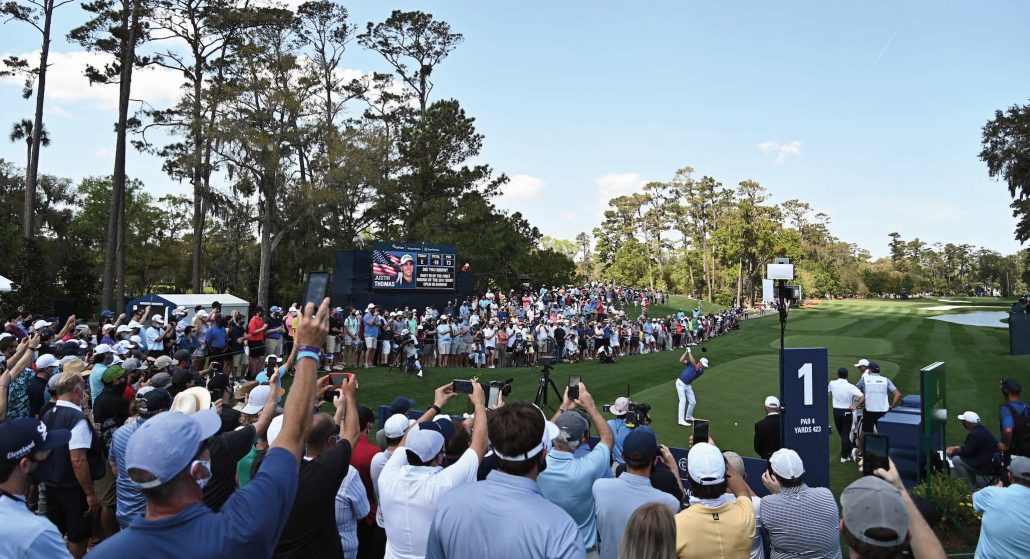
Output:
[[781, 271]]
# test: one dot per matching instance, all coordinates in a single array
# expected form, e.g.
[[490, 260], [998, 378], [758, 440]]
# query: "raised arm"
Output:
[[925, 544], [479, 429], [311, 330], [586, 401], [268, 410], [293, 357], [347, 399], [68, 325]]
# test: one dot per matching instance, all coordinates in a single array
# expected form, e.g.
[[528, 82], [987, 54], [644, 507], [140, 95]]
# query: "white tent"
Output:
[[164, 303], [5, 285]]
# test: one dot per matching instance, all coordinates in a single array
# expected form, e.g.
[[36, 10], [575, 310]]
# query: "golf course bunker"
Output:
[[990, 319]]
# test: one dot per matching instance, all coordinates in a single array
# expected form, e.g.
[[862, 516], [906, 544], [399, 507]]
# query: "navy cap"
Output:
[[23, 436], [442, 425], [641, 441], [152, 401], [842, 372], [106, 313], [401, 404], [1010, 386], [874, 368]]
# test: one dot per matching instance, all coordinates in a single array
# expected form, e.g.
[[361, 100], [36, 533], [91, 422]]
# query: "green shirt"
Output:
[[244, 466]]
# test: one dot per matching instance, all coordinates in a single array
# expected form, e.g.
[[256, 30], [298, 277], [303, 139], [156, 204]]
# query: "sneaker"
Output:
[[854, 455], [844, 460], [684, 423]]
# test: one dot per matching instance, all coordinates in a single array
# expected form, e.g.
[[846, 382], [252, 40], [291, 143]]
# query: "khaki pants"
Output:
[[274, 347]]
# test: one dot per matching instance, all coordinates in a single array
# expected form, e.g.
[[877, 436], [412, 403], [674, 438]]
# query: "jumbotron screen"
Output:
[[412, 266]]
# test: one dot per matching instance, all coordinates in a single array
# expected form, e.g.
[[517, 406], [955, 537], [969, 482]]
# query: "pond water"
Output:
[[992, 319]]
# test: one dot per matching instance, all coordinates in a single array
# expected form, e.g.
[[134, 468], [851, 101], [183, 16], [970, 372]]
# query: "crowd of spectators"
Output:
[[124, 449]]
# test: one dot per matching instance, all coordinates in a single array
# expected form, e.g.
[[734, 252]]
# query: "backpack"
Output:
[[1020, 431]]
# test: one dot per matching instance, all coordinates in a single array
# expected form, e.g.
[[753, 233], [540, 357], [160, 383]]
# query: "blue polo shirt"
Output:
[[371, 325], [1005, 531], [1005, 414], [506, 515], [690, 374], [616, 500], [248, 525], [25, 535], [619, 429], [568, 482], [216, 337]]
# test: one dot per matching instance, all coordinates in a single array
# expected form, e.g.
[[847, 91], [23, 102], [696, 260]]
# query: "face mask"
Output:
[[203, 468]]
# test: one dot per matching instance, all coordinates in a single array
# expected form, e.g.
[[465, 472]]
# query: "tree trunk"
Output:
[[265, 265], [32, 173], [740, 280], [130, 20], [197, 282]]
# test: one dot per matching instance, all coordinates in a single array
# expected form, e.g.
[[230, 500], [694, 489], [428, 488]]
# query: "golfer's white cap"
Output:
[[772, 402], [862, 363], [970, 417], [704, 362]]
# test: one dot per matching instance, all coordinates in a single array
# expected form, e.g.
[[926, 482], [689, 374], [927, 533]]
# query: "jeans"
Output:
[[687, 400], [842, 421], [962, 470]]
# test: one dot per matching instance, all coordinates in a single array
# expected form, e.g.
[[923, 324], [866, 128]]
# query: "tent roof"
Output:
[[191, 300]]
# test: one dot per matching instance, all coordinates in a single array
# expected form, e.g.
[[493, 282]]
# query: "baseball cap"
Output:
[[106, 313], [425, 443], [25, 435], [396, 425], [158, 319], [112, 373], [442, 425], [121, 329], [704, 362], [572, 426], [862, 363], [151, 401], [181, 355], [1020, 467], [256, 399], [46, 361], [407, 258], [131, 364], [871, 502], [370, 306], [620, 406], [276, 309], [219, 382], [133, 325], [166, 444], [640, 441], [706, 465], [163, 362], [51, 384], [40, 324], [102, 348], [970, 417], [1011, 386], [772, 402], [874, 368], [135, 340], [787, 464], [161, 380], [401, 404]]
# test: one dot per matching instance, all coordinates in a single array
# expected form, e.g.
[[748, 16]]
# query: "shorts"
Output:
[[257, 348], [648, 338], [66, 507], [274, 346], [238, 359], [443, 348], [105, 487], [869, 419], [331, 345], [457, 348], [384, 346], [370, 342]]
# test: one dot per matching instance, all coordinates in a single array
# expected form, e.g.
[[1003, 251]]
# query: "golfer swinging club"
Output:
[[691, 372]]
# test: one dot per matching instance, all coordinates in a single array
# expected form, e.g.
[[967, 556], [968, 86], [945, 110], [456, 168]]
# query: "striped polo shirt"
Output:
[[802, 521]]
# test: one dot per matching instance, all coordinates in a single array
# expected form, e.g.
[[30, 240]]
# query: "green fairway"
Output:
[[896, 334]]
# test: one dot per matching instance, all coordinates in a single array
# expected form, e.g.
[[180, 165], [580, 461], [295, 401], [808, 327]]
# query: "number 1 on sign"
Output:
[[805, 372]]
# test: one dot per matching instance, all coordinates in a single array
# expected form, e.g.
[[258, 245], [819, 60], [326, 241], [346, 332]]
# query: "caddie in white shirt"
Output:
[[876, 390]]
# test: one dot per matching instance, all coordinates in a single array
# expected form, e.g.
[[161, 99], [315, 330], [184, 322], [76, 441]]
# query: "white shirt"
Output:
[[489, 337], [877, 390], [82, 435], [844, 393], [409, 496], [375, 470]]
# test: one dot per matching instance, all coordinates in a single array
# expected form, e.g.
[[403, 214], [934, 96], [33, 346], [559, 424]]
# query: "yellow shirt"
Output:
[[706, 533]]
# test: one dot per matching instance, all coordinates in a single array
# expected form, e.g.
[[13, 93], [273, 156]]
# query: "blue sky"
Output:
[[869, 111]]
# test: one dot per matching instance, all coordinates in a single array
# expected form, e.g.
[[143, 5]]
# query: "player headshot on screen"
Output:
[[407, 276]]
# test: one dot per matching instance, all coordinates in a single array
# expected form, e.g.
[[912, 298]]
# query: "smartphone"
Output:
[[574, 386], [494, 396], [316, 288], [462, 386], [700, 431], [337, 378], [607, 408], [877, 450]]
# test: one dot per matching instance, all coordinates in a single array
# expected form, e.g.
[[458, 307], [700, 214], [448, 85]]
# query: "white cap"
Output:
[[202, 313], [46, 361], [706, 465], [122, 328], [862, 363], [157, 318], [102, 348], [787, 464], [136, 340], [704, 362], [969, 416], [370, 306], [772, 402], [134, 325], [396, 425], [256, 399], [425, 443], [274, 427], [40, 324]]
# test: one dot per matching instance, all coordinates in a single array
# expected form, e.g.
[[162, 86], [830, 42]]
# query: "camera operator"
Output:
[[618, 426], [568, 481]]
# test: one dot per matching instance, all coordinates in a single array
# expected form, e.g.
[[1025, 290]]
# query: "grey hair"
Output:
[[563, 440]]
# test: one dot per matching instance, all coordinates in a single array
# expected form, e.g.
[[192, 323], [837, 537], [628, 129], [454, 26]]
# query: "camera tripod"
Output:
[[541, 391]]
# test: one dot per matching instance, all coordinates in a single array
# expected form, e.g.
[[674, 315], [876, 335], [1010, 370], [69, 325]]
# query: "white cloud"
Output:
[[66, 82], [522, 187], [569, 216], [104, 153], [616, 184], [781, 151], [60, 111]]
